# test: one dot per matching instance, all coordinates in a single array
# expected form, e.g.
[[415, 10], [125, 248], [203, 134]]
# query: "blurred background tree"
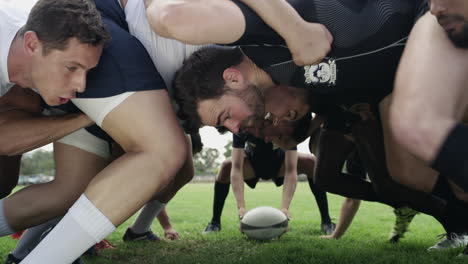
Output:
[[206, 162], [38, 162], [228, 149]]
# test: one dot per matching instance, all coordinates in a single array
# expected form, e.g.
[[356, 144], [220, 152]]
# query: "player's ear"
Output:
[[233, 78], [291, 115], [31, 42]]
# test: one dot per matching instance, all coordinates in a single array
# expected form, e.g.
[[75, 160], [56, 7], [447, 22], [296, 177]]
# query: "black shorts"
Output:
[[266, 168], [354, 165]]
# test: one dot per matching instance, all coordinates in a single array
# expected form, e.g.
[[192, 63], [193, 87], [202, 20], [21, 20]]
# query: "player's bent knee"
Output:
[[308, 164], [224, 175], [172, 165], [408, 128], [185, 175], [307, 159], [60, 199]]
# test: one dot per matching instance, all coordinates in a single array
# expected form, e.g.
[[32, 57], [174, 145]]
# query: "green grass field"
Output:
[[190, 211]]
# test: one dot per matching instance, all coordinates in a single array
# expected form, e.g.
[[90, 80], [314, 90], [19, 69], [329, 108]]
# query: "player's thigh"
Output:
[[145, 121], [248, 170], [224, 173], [305, 164], [404, 167], [186, 173], [440, 90], [183, 176], [145, 125], [78, 158]]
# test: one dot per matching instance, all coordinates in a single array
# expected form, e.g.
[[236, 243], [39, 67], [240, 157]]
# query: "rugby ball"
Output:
[[264, 223]]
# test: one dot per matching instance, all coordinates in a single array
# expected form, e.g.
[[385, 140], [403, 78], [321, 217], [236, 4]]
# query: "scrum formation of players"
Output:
[[379, 86]]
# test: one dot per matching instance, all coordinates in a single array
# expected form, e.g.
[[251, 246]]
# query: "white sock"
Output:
[[82, 227], [146, 217], [5, 228]]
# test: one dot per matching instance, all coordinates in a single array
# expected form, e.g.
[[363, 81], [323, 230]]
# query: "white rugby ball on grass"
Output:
[[264, 223]]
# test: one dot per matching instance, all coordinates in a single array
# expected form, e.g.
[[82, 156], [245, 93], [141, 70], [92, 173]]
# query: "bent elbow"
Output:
[[165, 19]]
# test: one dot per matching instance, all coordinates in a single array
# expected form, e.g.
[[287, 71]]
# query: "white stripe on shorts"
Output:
[[98, 108]]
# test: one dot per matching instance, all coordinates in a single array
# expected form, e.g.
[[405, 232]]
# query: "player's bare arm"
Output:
[[290, 180], [237, 179], [23, 128], [192, 22]]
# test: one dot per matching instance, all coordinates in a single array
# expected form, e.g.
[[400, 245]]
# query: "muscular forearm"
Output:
[[22, 131], [164, 220], [238, 187], [289, 187], [21, 99], [285, 20], [348, 211]]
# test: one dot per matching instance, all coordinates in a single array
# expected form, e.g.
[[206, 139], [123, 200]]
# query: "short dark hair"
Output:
[[57, 21], [201, 78], [197, 144]]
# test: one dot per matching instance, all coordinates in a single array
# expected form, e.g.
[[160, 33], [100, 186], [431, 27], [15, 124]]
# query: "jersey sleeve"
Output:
[[421, 8], [256, 31], [238, 140]]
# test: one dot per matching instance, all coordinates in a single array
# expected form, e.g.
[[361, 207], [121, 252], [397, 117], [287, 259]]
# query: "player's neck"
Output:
[[123, 3], [18, 64], [147, 2], [258, 76]]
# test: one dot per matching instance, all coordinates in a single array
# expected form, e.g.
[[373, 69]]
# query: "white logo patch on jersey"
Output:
[[324, 72]]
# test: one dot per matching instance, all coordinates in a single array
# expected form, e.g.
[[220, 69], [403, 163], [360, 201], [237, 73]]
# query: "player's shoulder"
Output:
[[428, 29], [125, 53], [124, 66], [121, 37]]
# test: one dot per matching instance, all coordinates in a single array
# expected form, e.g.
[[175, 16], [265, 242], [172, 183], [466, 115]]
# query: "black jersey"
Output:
[[264, 157], [369, 38]]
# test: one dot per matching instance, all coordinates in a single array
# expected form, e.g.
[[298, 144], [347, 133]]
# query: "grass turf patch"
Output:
[[365, 242]]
